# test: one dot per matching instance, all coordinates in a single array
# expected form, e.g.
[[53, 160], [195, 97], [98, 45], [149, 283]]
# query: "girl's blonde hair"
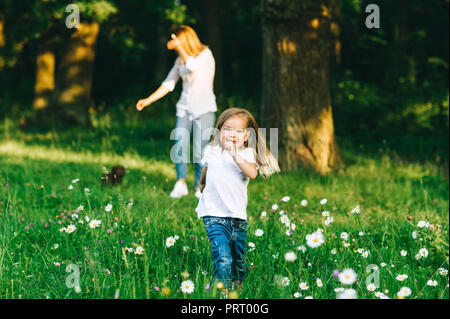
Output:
[[189, 40], [266, 161]]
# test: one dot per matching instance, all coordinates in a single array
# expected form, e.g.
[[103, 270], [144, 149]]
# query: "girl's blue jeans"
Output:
[[202, 128], [228, 238]]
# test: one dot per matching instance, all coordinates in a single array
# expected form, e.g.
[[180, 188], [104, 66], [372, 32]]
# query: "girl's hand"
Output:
[[141, 104], [230, 147]]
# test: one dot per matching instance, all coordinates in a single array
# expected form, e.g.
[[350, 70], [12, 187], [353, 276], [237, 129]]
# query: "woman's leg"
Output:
[[180, 152], [203, 128]]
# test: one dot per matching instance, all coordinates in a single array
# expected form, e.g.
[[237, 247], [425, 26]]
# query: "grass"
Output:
[[38, 166]]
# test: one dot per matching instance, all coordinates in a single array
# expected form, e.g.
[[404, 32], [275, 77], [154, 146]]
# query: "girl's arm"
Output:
[[155, 96], [249, 169], [203, 179]]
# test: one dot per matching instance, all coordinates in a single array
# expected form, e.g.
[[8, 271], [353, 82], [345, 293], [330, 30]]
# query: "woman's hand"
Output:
[[141, 104]]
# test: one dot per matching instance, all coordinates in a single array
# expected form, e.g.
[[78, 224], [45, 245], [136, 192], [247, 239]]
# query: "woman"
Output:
[[196, 107]]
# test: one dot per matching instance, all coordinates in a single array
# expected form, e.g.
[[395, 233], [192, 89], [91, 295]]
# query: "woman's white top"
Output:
[[197, 96], [225, 192]]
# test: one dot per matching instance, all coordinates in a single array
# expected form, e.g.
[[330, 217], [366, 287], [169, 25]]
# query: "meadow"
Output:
[[381, 224]]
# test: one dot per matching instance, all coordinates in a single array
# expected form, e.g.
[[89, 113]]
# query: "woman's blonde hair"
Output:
[[189, 40], [266, 161]]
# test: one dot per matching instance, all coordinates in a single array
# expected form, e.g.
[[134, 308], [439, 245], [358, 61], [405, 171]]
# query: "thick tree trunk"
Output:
[[74, 75], [296, 95]]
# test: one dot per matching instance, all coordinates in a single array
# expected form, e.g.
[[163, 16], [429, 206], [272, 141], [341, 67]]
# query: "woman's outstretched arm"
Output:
[[155, 96]]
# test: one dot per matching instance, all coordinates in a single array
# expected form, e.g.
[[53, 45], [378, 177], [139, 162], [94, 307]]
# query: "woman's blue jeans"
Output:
[[228, 238], [202, 128]]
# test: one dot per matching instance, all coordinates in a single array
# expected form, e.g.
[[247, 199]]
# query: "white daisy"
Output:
[[139, 250], [371, 287], [290, 256], [76, 180], [432, 283], [187, 287], [303, 286], [361, 233], [108, 207], [95, 223], [356, 210], [71, 228], [402, 277], [347, 294], [319, 282], [170, 241], [285, 281], [365, 254], [333, 251], [323, 201], [443, 271], [297, 294], [423, 252], [403, 253], [285, 199], [404, 292], [263, 213], [360, 250], [259, 232], [347, 276], [304, 203], [344, 236], [325, 213], [383, 264], [314, 240], [274, 206], [414, 235], [302, 248], [70, 187], [421, 224]]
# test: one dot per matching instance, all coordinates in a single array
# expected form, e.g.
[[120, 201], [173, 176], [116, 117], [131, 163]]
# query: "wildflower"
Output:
[[347, 294], [274, 207], [303, 286], [443, 271], [422, 224], [71, 228], [304, 203], [290, 256], [285, 199], [414, 235], [403, 253], [347, 276], [365, 254], [297, 294], [319, 282], [401, 277], [345, 244], [379, 294], [361, 233], [404, 292], [74, 181], [57, 264], [371, 287], [95, 223], [344, 236], [263, 214], [432, 283], [356, 210], [325, 213], [187, 286], [328, 221], [335, 273], [314, 240], [139, 250], [289, 232], [170, 241], [339, 289], [108, 208], [259, 232], [285, 281], [423, 252], [302, 248], [324, 201], [360, 250], [333, 251]]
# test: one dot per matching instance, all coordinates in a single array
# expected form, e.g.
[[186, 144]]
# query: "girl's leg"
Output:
[[238, 243], [219, 231], [203, 128]]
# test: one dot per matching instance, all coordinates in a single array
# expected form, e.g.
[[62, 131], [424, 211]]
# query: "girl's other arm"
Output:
[[249, 169], [155, 96]]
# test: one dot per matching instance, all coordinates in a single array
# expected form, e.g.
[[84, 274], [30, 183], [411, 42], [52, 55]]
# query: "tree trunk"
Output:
[[296, 97], [74, 77]]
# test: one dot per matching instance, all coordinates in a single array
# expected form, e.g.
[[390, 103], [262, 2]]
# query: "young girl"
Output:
[[235, 154]]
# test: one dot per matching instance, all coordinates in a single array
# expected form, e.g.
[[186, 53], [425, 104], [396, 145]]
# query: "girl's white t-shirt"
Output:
[[225, 192]]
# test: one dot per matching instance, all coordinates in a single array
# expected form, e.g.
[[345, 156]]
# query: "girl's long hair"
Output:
[[189, 40], [266, 161]]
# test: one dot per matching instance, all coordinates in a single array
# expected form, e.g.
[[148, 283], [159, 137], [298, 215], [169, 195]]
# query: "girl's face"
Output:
[[234, 130]]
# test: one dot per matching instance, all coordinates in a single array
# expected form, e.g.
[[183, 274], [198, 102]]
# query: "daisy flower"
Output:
[[70, 187], [344, 236], [401, 277], [347, 276], [403, 253], [404, 292], [422, 224], [263, 214], [139, 250], [259, 232], [347, 294], [274, 206], [371, 287], [333, 251], [432, 283], [383, 264], [414, 235], [285, 281], [290, 256], [325, 213], [297, 294], [356, 210], [170, 241], [71, 228], [443, 271], [365, 254], [323, 201], [187, 287], [302, 248], [319, 282], [108, 207], [304, 203], [285, 199], [315, 240], [423, 252], [95, 223], [303, 286], [360, 250]]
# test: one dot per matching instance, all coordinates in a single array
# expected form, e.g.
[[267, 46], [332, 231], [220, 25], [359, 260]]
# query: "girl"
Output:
[[196, 107], [236, 153]]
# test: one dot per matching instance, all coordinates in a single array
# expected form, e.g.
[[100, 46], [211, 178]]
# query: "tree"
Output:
[[295, 95]]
